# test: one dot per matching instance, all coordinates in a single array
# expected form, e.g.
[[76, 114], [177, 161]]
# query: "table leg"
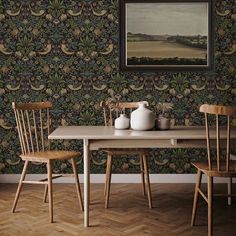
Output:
[[86, 182], [229, 190]]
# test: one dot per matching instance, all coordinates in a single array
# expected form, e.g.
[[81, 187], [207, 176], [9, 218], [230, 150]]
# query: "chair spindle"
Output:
[[41, 129], [208, 142], [36, 131], [218, 142], [228, 143], [30, 131]]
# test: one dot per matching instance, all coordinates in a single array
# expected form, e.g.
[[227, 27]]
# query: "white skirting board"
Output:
[[116, 178]]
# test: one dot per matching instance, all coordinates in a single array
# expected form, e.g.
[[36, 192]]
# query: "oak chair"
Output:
[[111, 110], [33, 126], [221, 167]]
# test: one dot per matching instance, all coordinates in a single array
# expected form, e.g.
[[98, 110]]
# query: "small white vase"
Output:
[[122, 122], [163, 123], [142, 118]]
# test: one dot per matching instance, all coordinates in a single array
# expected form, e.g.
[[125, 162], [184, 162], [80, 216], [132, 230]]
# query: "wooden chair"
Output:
[[221, 167], [33, 125], [111, 111]]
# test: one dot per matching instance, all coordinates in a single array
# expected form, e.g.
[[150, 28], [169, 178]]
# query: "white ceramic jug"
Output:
[[142, 118], [122, 122]]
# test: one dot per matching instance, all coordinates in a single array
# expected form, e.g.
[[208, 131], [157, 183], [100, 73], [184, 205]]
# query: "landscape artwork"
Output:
[[167, 34]]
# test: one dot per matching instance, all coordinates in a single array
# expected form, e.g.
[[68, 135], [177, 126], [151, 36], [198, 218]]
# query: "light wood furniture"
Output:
[[33, 126], [96, 137], [221, 167], [111, 111]]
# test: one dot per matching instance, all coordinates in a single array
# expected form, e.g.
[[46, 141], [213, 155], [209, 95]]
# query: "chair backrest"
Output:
[[33, 126], [112, 110], [228, 112]]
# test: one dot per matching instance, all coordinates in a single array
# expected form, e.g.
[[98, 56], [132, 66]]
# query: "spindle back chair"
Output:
[[111, 111], [221, 166], [33, 126]]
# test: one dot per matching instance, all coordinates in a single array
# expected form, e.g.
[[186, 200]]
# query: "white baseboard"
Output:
[[116, 178]]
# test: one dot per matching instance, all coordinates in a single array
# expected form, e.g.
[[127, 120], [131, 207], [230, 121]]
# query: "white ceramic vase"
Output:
[[142, 118], [122, 122]]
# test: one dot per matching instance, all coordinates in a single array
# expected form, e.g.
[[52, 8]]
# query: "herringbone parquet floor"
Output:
[[128, 213]]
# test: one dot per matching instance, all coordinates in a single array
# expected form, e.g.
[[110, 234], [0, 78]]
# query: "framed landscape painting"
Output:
[[166, 35]]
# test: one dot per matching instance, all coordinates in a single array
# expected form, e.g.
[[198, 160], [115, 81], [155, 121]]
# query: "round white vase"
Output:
[[122, 122], [142, 118]]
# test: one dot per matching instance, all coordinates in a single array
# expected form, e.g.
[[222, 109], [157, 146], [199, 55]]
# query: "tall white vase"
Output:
[[142, 118]]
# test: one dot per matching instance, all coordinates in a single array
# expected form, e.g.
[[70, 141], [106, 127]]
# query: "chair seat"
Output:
[[203, 166], [126, 151], [50, 155]]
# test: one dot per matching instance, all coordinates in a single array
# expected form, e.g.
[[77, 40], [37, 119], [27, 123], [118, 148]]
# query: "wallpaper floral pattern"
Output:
[[67, 51]]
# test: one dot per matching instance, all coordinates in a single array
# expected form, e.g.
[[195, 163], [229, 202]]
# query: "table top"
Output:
[[109, 132]]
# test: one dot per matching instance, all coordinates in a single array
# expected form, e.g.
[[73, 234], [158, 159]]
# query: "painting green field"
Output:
[[163, 49], [144, 49]]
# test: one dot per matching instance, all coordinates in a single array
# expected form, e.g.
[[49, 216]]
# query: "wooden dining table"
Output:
[[96, 137]]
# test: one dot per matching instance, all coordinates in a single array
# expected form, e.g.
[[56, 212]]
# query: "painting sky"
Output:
[[167, 18]]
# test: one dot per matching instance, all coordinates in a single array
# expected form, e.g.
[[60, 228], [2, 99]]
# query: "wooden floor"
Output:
[[128, 213]]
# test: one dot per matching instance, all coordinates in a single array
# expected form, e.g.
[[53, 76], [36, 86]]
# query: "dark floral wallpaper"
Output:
[[67, 51]]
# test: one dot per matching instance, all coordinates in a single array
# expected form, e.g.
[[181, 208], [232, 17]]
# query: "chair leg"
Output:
[[23, 174], [210, 206], [142, 175], [108, 181], [148, 187], [45, 193], [196, 194], [49, 169], [229, 190], [77, 184]]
